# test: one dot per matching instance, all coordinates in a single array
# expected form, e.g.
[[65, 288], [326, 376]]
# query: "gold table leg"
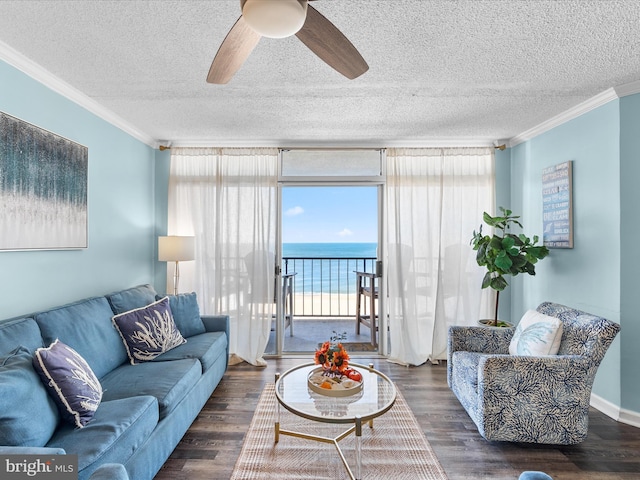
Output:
[[333, 441], [277, 419], [357, 428], [358, 447]]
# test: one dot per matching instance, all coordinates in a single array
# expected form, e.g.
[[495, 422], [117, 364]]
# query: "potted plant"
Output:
[[505, 253]]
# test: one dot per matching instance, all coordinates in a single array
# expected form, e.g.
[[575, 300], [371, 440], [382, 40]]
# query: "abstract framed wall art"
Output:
[[557, 206], [43, 188]]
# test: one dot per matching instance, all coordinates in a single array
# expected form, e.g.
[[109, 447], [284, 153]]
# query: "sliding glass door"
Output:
[[329, 229]]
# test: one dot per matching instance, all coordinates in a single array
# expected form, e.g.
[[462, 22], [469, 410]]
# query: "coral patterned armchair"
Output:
[[536, 399]]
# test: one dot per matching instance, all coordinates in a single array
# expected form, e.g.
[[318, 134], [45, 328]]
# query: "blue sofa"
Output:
[[145, 409]]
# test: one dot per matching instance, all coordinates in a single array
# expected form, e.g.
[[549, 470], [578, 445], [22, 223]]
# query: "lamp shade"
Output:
[[175, 249], [275, 18]]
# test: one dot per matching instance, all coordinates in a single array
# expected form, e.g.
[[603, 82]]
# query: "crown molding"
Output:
[[628, 89], [49, 80], [594, 102], [580, 109]]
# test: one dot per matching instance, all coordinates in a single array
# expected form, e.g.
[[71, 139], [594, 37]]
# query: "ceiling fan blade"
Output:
[[235, 49], [327, 42]]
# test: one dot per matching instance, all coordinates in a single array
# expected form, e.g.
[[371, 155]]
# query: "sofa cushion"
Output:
[[86, 327], [536, 334], [186, 313], [19, 332], [118, 429], [168, 382], [70, 382], [21, 394], [148, 331], [206, 347], [131, 298]]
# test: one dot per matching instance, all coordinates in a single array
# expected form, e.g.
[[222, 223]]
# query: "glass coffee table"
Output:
[[377, 396]]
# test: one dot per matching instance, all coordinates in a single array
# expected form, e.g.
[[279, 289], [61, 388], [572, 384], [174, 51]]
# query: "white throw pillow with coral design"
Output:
[[536, 334]]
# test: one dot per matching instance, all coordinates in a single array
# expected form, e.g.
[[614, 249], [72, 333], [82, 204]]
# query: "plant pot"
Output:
[[486, 322]]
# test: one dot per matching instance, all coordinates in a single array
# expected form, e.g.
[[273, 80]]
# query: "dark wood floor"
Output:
[[211, 446]]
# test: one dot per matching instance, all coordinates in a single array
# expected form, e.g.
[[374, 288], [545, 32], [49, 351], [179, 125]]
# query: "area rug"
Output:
[[394, 449]]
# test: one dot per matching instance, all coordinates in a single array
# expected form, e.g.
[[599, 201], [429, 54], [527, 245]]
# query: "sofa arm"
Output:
[[110, 471], [218, 323], [9, 450], [534, 399], [479, 339], [476, 339]]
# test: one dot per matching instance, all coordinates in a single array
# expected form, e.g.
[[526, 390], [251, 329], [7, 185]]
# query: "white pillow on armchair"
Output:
[[536, 334]]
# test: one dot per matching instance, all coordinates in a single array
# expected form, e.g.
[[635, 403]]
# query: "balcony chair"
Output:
[[366, 289], [529, 398], [255, 262], [287, 300]]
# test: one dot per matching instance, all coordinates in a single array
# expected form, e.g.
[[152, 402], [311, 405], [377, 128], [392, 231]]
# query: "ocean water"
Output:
[[327, 267]]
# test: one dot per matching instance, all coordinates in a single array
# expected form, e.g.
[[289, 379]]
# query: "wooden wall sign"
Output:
[[557, 206]]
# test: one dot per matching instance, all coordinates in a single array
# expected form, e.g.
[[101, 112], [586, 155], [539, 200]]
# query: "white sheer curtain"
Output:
[[434, 200], [226, 198]]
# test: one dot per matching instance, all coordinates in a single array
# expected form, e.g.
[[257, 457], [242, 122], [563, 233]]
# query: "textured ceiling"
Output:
[[440, 71]]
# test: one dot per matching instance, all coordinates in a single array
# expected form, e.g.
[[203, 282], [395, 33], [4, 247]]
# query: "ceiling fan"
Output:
[[279, 19]]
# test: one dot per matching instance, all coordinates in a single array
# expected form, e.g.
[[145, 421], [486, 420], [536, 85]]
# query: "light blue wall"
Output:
[[630, 261], [163, 167], [503, 199], [121, 207], [586, 277]]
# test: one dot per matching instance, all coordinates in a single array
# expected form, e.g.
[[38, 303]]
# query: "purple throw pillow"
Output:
[[149, 331], [70, 382]]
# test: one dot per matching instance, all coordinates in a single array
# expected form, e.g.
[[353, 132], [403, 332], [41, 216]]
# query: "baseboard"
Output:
[[605, 406], [629, 417], [621, 415]]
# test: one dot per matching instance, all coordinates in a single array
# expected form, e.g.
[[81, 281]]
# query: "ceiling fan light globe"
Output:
[[275, 18]]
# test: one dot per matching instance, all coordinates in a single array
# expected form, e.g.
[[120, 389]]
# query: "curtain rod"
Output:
[[168, 147], [162, 148]]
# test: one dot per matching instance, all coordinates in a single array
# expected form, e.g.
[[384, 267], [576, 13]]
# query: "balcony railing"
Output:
[[326, 287]]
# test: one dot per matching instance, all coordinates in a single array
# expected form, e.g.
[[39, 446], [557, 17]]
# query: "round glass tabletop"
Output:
[[376, 397]]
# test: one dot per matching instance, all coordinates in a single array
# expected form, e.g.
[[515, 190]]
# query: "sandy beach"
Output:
[[325, 305]]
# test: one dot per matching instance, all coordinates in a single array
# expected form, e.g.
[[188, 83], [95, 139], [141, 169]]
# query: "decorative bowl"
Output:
[[340, 386]]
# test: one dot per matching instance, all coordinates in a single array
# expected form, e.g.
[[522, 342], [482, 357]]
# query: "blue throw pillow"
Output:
[[70, 381], [149, 331], [135, 297], [28, 415], [186, 313]]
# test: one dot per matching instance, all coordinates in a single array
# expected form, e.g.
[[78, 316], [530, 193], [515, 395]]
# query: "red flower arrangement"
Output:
[[332, 356]]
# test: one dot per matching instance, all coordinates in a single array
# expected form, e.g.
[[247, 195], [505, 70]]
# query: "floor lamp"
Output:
[[175, 249]]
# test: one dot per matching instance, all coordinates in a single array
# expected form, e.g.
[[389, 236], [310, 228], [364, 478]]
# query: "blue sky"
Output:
[[329, 214]]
